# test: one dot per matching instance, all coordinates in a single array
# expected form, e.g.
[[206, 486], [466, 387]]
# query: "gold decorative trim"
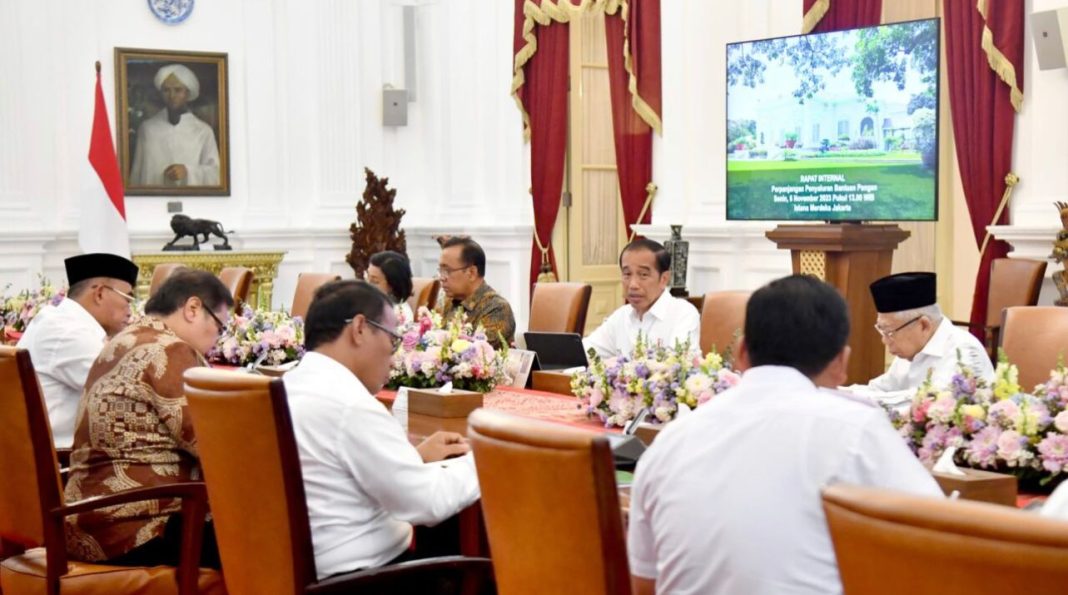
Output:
[[1011, 180], [998, 62], [264, 267], [815, 15], [813, 262], [562, 11]]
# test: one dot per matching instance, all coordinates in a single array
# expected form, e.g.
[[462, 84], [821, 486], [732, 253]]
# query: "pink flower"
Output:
[[983, 448], [1011, 447], [1054, 452]]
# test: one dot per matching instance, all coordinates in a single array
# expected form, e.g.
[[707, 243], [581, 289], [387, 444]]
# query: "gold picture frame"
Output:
[[172, 120]]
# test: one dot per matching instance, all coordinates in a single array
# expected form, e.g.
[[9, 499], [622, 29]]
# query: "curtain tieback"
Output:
[[650, 192], [1011, 180]]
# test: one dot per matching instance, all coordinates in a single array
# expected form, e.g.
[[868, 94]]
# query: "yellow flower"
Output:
[[460, 345], [973, 411]]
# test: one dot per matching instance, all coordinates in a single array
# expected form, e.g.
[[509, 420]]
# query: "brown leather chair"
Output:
[[160, 274], [32, 509], [307, 283], [1013, 282], [1033, 337], [246, 445], [889, 542], [551, 506], [424, 293], [238, 280], [722, 320], [559, 307]]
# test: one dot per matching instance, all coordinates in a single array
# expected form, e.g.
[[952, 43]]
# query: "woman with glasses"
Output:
[[133, 429], [391, 272]]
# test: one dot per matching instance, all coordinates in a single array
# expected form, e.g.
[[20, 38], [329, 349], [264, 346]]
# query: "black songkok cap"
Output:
[[88, 266], [904, 291]]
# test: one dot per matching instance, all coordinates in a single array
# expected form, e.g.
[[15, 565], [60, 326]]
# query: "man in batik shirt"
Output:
[[133, 429], [462, 269]]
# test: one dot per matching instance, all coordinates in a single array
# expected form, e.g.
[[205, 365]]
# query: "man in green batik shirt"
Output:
[[462, 269]]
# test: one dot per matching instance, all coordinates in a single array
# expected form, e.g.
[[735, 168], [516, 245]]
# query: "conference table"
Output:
[[545, 406]]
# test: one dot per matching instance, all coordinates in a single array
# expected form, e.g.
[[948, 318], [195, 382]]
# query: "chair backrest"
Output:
[[307, 283], [722, 319], [891, 542], [1033, 337], [27, 454], [1013, 282], [424, 293], [160, 274], [238, 280], [558, 484], [252, 471], [559, 307]]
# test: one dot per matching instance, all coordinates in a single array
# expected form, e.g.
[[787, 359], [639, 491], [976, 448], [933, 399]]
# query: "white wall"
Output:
[[305, 85]]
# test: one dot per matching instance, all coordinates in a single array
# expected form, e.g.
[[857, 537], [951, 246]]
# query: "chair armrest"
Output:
[[186, 490], [474, 571], [194, 510]]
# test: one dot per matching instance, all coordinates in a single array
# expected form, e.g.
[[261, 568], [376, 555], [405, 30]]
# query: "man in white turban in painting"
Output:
[[174, 147]]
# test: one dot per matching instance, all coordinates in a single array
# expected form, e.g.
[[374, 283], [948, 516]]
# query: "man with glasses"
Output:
[[365, 484], [462, 269], [64, 340], [920, 338], [134, 430]]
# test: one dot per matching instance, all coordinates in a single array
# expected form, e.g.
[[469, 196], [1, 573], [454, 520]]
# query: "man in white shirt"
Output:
[[920, 338], [727, 500], [365, 484], [650, 309], [174, 147], [64, 340]]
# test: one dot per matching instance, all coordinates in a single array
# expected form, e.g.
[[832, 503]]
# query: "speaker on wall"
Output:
[[394, 107], [1049, 29]]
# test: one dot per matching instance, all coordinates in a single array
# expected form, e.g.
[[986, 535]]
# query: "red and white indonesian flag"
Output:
[[103, 219]]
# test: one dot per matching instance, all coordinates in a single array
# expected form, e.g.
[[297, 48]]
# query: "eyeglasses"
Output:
[[890, 334], [444, 271], [129, 298], [218, 323], [394, 337]]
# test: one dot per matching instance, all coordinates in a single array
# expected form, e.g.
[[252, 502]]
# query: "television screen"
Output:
[[839, 126]]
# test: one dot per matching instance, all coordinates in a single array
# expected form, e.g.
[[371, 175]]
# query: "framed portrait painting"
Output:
[[172, 118]]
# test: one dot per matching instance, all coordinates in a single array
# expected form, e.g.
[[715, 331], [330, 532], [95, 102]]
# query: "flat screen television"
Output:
[[838, 126]]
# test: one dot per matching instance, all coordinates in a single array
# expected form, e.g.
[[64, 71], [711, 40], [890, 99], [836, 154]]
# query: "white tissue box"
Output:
[[428, 401]]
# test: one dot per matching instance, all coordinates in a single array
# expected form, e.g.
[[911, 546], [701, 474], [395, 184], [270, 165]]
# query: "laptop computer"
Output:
[[556, 351]]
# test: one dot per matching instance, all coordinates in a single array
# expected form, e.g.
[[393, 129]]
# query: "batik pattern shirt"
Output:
[[133, 430], [487, 308]]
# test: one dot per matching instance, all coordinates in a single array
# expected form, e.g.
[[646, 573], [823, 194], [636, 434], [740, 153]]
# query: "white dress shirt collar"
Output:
[[72, 308], [936, 345], [659, 310]]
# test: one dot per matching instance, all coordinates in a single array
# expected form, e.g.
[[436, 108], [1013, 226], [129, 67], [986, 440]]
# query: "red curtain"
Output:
[[544, 97], [841, 14], [632, 134], [983, 116]]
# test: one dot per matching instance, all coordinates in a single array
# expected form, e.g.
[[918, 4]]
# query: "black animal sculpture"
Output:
[[183, 225]]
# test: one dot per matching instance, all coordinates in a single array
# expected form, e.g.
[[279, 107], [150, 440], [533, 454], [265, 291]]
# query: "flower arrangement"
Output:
[[262, 336], [18, 310], [995, 426], [657, 378], [435, 351]]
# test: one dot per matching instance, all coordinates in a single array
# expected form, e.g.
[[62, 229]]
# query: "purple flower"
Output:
[[983, 448]]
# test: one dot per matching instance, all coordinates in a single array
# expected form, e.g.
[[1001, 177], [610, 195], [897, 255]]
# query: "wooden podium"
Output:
[[849, 256]]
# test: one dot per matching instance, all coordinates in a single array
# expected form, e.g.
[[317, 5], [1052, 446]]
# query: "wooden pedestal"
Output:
[[849, 256]]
